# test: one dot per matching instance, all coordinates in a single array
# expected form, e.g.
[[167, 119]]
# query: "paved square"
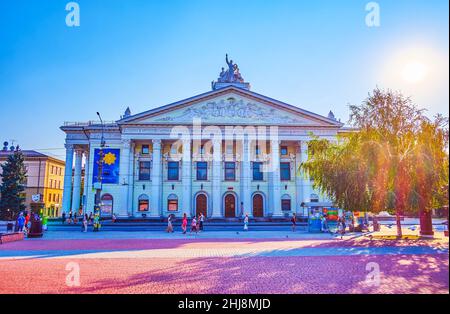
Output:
[[221, 262]]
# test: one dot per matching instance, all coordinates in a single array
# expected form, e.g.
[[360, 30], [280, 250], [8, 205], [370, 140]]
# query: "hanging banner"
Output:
[[111, 166]]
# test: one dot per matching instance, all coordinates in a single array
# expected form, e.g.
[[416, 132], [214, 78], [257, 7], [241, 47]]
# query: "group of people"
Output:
[[73, 218], [24, 220], [197, 223]]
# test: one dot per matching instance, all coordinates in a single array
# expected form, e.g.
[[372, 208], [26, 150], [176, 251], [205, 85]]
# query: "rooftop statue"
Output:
[[232, 74]]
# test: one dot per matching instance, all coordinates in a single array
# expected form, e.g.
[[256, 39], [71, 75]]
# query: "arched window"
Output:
[[286, 202], [144, 203], [172, 203], [107, 203]]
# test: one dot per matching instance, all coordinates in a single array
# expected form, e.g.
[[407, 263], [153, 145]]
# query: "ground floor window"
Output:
[[286, 203], [144, 203], [172, 202]]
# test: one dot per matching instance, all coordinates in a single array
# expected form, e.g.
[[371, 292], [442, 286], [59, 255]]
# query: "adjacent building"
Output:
[[45, 180], [224, 153]]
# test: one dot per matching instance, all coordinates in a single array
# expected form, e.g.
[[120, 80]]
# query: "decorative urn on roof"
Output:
[[231, 76]]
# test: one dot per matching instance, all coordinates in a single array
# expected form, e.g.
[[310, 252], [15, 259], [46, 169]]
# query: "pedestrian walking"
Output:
[[70, 218], [169, 224], [324, 223], [201, 221], [294, 222], [27, 222], [44, 222], [91, 218], [246, 222], [20, 222], [194, 225], [63, 217], [341, 226], [85, 223], [75, 218], [184, 223]]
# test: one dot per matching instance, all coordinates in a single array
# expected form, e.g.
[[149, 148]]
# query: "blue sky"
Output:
[[317, 55]]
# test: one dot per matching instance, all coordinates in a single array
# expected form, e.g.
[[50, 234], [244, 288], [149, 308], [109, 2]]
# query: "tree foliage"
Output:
[[13, 176], [397, 158]]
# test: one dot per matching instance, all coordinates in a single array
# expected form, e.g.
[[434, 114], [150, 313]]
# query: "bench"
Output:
[[11, 237]]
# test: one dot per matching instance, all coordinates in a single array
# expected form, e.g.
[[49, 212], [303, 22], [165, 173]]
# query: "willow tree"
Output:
[[397, 159]]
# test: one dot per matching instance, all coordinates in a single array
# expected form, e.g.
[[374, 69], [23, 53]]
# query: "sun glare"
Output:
[[414, 72]]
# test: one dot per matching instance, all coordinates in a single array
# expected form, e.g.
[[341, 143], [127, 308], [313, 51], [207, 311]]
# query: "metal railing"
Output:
[[89, 123]]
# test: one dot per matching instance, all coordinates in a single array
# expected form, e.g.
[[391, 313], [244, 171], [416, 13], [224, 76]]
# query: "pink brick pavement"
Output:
[[424, 273]]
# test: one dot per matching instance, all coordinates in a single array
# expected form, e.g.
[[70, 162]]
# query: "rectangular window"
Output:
[[145, 150], [172, 205], [285, 204], [257, 150], [230, 171], [285, 171], [143, 205], [50, 197], [202, 171], [144, 170], [284, 150], [257, 173], [51, 183], [173, 171]]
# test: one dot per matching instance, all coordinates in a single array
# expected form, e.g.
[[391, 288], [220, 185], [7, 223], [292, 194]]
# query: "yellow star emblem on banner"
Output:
[[109, 159]]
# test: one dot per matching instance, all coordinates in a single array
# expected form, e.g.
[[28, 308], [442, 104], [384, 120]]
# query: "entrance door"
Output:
[[230, 204], [258, 209], [201, 205]]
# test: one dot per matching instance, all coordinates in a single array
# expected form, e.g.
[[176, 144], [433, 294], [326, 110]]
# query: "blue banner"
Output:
[[111, 166]]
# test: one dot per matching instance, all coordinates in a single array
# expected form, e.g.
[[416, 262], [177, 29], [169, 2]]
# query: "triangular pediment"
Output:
[[230, 106]]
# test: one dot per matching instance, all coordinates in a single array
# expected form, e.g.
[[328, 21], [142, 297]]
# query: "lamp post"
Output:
[[99, 184]]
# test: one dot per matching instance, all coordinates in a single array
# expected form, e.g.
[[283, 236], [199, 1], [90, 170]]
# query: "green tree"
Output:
[[397, 159], [14, 176]]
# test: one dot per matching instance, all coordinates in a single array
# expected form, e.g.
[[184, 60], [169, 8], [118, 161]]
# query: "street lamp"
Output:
[[99, 184]]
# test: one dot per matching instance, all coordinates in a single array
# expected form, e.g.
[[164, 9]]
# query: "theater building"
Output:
[[225, 153]]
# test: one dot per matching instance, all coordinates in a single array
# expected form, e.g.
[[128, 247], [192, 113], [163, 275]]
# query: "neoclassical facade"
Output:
[[224, 153]]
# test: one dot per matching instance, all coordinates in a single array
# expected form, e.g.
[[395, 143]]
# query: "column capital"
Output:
[[126, 143], [79, 151], [69, 146]]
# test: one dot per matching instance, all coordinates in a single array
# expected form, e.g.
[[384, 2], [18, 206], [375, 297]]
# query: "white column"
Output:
[[67, 193], [306, 184], [156, 210], [298, 180], [122, 210], [131, 181], [276, 182], [86, 180], [187, 178], [217, 179], [246, 178], [77, 181]]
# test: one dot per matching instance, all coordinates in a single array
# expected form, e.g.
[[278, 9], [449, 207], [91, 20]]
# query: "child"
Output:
[[194, 225], [246, 222], [184, 224]]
